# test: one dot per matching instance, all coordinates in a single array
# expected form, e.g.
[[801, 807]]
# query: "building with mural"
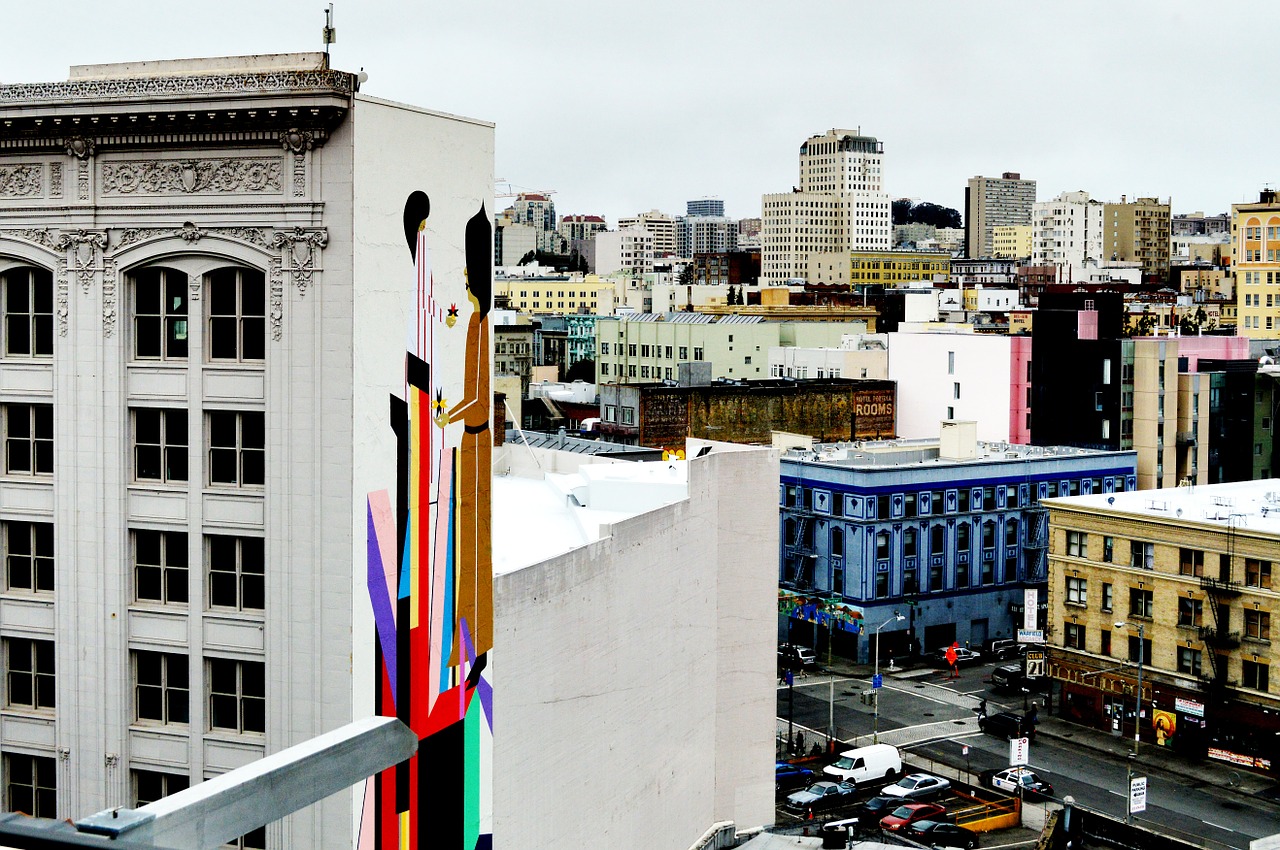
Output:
[[665, 415], [1180, 578], [948, 531], [203, 368]]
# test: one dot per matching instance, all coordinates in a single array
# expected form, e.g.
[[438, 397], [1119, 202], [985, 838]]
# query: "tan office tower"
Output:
[[990, 202]]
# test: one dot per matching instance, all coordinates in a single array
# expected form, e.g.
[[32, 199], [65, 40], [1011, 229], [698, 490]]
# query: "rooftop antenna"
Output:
[[329, 35]]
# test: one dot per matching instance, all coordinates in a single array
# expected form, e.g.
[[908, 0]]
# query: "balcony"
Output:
[[1218, 638], [1220, 587]]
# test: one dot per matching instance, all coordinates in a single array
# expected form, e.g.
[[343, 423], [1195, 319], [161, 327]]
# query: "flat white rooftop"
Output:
[[1252, 505], [535, 520]]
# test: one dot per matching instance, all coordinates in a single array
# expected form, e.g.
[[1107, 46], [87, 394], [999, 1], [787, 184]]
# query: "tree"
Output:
[[1144, 325], [904, 212], [527, 259], [582, 370], [686, 274]]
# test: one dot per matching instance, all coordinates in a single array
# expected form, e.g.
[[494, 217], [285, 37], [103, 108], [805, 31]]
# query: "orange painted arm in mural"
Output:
[[476, 381]]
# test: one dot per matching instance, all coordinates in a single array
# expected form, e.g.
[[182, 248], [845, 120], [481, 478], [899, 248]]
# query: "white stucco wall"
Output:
[[636, 679], [926, 389]]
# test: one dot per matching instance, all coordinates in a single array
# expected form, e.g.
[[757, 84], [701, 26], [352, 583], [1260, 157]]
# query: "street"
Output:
[[931, 718]]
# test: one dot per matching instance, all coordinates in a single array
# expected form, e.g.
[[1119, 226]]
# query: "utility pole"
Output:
[[875, 723]]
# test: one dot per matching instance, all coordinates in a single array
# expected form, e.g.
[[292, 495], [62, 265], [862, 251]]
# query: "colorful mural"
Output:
[[430, 565]]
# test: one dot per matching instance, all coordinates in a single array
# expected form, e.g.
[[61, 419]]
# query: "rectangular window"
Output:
[[604, 348], [1190, 612], [1077, 544], [237, 315], [1189, 660], [1077, 591], [1190, 562], [1073, 636], [159, 314], [237, 444], [28, 556], [160, 566], [28, 439], [1108, 549], [1133, 649], [152, 785], [29, 673], [1108, 596], [697, 353], [1257, 625], [955, 390], [237, 695], [631, 349], [1255, 675], [628, 416], [236, 568], [27, 302], [684, 352], [1257, 573], [1105, 648], [161, 690], [1142, 555], [667, 352], [31, 785], [951, 362], [159, 445], [1139, 603]]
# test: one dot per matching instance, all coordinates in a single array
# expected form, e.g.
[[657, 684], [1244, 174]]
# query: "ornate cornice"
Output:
[[191, 234], [144, 88], [84, 247], [21, 181], [42, 236]]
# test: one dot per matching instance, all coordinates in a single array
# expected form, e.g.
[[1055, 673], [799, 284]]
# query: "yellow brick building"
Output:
[[891, 268], [1184, 577], [1255, 257], [546, 296], [1011, 242]]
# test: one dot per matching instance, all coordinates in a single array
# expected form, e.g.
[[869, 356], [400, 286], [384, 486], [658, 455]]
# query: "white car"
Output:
[[917, 786]]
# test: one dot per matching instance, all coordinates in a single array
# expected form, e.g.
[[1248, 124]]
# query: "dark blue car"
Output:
[[788, 776]]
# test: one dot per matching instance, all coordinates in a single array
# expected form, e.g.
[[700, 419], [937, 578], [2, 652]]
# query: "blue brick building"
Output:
[[947, 532]]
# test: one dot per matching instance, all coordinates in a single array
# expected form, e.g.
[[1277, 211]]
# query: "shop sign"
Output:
[[1189, 706], [1239, 758]]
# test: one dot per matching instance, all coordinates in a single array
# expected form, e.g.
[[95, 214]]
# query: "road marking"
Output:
[[1117, 793], [1218, 826]]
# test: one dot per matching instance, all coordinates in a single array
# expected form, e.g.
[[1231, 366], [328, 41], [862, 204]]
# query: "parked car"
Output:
[[1002, 649], [863, 764], [1010, 778], [936, 833], [900, 818], [819, 797], [794, 657], [875, 808], [964, 657], [788, 776], [917, 786], [1007, 725]]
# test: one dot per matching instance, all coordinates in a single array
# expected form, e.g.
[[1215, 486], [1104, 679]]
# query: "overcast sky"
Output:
[[624, 107]]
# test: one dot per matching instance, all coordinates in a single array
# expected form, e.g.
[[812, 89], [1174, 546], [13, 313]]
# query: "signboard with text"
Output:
[[1035, 663], [1030, 636], [1030, 608], [1137, 794], [1019, 751]]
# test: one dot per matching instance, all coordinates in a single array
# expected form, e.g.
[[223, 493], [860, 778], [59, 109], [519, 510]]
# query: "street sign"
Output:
[[1035, 664], [877, 681], [964, 751], [1137, 794], [1019, 751]]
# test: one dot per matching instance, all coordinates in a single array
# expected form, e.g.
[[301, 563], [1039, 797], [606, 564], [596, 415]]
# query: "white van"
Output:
[[876, 761]]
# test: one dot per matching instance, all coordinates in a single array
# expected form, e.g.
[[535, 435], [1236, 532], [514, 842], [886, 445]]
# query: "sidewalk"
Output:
[[1151, 759]]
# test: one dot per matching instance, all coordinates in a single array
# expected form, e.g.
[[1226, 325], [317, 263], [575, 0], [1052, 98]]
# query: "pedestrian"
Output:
[[982, 707], [799, 743]]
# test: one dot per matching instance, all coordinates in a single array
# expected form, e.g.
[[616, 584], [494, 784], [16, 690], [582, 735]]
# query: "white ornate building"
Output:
[[194, 374]]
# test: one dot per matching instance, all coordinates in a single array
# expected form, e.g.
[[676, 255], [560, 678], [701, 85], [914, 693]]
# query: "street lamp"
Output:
[[1137, 721], [875, 724], [1137, 718]]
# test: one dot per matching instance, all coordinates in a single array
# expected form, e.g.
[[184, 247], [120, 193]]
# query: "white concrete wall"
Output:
[[926, 389], [637, 679]]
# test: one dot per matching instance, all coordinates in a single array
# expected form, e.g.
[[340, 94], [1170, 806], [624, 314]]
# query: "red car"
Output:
[[909, 814]]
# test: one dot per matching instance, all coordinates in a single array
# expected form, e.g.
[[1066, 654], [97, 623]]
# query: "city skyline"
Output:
[[622, 114]]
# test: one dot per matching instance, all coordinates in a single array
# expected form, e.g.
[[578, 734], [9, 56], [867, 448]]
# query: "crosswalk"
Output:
[[923, 733]]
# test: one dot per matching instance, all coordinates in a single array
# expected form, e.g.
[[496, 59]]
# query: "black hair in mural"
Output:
[[479, 247], [416, 209]]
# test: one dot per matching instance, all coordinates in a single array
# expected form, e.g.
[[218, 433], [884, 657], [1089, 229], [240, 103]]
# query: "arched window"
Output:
[[159, 314], [26, 300], [1011, 532], [790, 533], [988, 534], [909, 543], [882, 545], [237, 314], [837, 542], [962, 537], [937, 539]]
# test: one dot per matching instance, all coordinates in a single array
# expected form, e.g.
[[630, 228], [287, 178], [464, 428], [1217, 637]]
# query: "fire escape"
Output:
[[1035, 546], [1218, 638]]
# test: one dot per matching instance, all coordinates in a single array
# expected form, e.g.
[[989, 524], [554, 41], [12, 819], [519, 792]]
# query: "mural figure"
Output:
[[430, 568]]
